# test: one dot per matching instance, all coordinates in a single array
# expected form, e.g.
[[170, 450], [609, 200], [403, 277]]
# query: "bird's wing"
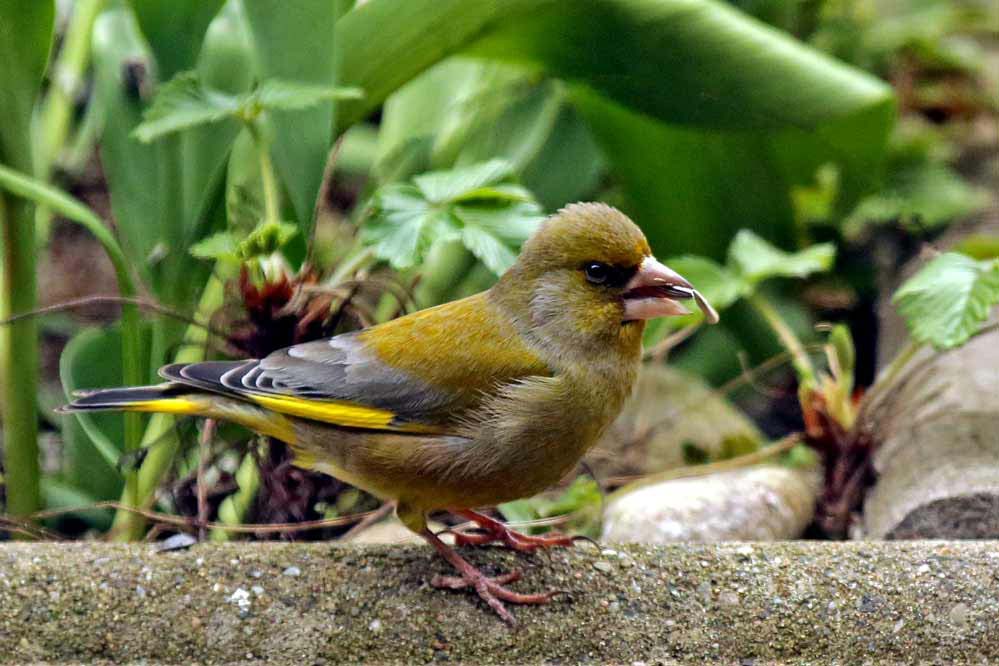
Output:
[[419, 373]]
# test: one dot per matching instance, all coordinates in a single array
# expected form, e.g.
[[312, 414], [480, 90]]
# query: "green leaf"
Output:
[[175, 30], [476, 205], [754, 259], [183, 103], [465, 111], [716, 283], [928, 194], [488, 249], [92, 359], [767, 122], [298, 41], [280, 95], [948, 300], [223, 245], [447, 186], [266, 239]]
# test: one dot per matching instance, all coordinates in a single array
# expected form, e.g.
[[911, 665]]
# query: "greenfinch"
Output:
[[469, 404]]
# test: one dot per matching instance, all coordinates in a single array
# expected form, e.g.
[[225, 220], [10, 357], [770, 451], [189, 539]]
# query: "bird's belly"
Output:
[[435, 472]]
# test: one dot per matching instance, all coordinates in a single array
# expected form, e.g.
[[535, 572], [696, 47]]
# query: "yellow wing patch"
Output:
[[346, 414]]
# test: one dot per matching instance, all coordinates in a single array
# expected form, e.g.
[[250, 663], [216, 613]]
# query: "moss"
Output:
[[698, 603]]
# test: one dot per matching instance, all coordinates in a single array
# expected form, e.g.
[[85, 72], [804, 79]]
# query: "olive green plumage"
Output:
[[472, 403]]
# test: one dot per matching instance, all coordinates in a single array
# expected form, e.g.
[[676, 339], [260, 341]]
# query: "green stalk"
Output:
[[272, 197], [55, 200], [234, 508], [799, 357], [160, 437], [444, 268], [19, 359]]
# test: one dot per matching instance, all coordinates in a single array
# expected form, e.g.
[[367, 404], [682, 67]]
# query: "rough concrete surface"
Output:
[[792, 602]]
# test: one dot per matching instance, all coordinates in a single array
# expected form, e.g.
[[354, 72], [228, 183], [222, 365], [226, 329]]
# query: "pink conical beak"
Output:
[[651, 292]]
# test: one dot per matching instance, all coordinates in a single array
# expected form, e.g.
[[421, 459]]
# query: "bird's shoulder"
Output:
[[466, 345]]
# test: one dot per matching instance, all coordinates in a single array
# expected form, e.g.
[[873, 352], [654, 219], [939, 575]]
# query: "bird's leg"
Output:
[[497, 531], [491, 590]]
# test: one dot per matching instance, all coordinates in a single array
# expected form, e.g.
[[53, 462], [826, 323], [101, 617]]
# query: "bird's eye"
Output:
[[596, 272]]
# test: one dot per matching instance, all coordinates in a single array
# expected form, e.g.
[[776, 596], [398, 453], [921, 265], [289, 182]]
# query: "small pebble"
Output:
[[241, 598], [605, 567], [292, 571], [376, 625]]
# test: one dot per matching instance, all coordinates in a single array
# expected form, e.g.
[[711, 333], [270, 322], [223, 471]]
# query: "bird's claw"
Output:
[[512, 539], [492, 591]]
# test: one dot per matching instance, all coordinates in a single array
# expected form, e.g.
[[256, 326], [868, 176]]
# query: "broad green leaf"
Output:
[[948, 300], [92, 359], [465, 111], [767, 120], [718, 284], [175, 30], [133, 169], [755, 259], [224, 65], [59, 494], [699, 45], [297, 41]]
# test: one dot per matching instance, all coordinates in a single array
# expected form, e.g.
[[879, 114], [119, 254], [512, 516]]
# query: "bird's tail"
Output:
[[181, 400]]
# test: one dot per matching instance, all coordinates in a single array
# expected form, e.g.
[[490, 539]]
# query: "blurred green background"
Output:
[[274, 171]]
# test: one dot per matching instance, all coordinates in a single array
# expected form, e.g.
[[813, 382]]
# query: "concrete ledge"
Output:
[[801, 602]]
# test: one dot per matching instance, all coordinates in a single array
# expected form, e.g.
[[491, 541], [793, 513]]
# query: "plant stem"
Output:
[[131, 327], [233, 509], [19, 359], [160, 437], [358, 259], [272, 198], [799, 357]]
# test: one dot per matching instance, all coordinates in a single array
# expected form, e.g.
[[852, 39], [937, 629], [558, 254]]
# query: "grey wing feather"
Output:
[[337, 368]]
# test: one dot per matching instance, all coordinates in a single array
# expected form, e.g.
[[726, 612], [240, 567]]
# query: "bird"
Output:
[[465, 405]]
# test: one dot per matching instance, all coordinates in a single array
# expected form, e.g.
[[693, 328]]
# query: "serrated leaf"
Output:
[[445, 186], [491, 218], [754, 259], [182, 103], [947, 301], [488, 249]]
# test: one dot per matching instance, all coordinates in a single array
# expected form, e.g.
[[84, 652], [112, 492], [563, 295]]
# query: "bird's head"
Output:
[[587, 278]]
